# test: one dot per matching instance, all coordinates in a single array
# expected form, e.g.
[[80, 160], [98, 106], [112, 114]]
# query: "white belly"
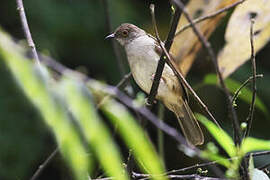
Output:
[[143, 62]]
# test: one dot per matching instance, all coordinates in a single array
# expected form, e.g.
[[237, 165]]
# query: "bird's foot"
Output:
[[147, 103], [161, 79]]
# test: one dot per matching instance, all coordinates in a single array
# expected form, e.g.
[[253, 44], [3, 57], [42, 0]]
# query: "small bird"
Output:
[[143, 53]]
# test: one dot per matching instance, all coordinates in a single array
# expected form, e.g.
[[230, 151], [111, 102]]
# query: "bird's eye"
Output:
[[125, 33]]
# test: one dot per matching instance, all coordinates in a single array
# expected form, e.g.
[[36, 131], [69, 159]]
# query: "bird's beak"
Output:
[[110, 36]]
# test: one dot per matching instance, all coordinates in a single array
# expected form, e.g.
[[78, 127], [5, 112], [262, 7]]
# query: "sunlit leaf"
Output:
[[186, 45], [245, 95], [237, 49], [220, 136], [215, 157], [97, 135], [250, 144], [33, 81]]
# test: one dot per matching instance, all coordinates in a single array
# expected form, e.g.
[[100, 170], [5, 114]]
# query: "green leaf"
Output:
[[34, 83], [135, 138], [250, 144], [96, 133], [221, 136], [215, 157], [245, 95]]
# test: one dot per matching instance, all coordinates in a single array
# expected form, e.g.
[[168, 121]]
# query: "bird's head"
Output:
[[126, 33]]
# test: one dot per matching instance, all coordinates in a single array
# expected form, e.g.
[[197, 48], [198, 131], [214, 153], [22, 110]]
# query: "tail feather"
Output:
[[189, 124]]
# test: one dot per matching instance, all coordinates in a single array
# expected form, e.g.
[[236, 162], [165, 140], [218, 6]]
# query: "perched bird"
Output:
[[143, 53]]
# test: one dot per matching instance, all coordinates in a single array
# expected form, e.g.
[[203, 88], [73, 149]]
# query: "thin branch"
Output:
[[161, 62], [176, 71], [236, 94], [203, 18], [26, 31], [173, 176], [212, 55], [256, 154], [212, 163], [254, 87], [114, 45], [44, 164]]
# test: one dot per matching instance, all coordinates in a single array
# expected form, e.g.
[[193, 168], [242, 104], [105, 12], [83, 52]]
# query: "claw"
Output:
[[161, 79]]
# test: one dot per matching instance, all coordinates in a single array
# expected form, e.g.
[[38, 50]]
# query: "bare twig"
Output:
[[203, 18], [212, 55], [176, 71], [244, 85], [254, 88], [161, 62], [256, 154], [44, 164], [196, 166], [114, 45], [26, 31], [173, 176]]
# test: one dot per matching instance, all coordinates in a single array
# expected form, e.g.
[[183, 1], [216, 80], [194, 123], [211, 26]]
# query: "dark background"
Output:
[[73, 31]]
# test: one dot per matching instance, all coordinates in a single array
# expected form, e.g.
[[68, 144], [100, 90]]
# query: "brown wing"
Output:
[[175, 85]]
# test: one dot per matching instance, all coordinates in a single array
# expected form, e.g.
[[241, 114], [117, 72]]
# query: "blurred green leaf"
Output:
[[215, 157], [250, 144], [245, 95], [135, 138], [220, 136], [33, 82], [98, 137]]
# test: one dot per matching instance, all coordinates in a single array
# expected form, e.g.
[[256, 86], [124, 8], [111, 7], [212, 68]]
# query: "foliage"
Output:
[[245, 94], [56, 107], [236, 153], [73, 32]]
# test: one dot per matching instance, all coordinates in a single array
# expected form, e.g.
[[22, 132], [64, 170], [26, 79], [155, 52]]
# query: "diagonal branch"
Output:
[[26, 31], [44, 164], [173, 66], [254, 87], [244, 85], [161, 63], [203, 18]]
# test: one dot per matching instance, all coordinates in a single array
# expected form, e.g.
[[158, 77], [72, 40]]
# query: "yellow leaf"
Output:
[[186, 45], [237, 49]]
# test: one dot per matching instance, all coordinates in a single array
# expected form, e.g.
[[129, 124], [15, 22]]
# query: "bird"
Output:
[[143, 53]]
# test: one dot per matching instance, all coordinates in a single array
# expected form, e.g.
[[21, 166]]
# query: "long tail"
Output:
[[189, 124]]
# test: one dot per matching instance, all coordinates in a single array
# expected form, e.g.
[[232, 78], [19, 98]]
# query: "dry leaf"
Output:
[[186, 45], [237, 49]]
